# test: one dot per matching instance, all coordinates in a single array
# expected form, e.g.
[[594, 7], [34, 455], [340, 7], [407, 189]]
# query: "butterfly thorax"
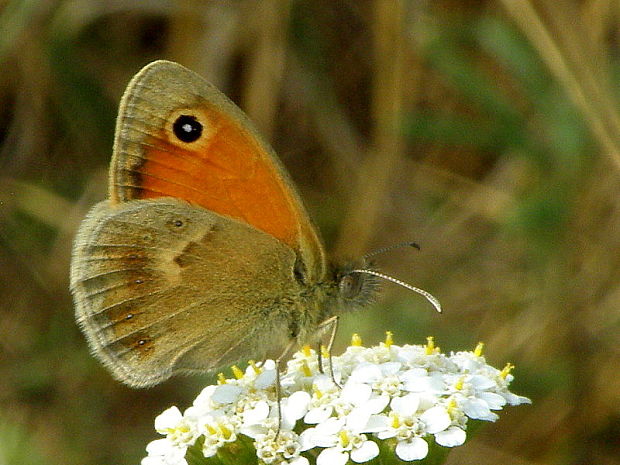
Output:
[[340, 291]]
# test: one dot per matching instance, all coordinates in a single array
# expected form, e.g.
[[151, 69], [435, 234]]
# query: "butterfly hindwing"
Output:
[[156, 279]]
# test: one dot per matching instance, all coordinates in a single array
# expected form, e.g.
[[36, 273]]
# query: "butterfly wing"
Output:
[[154, 294], [196, 259], [179, 136]]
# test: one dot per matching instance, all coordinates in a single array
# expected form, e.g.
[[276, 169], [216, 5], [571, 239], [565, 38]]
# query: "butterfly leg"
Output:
[[282, 357], [332, 324], [319, 357]]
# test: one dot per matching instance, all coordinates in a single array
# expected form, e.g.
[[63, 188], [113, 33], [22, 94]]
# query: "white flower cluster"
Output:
[[403, 397]]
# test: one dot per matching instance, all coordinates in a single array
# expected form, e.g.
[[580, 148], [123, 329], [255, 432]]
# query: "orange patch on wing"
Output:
[[227, 172]]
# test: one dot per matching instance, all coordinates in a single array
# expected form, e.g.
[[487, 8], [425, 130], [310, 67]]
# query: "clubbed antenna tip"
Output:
[[430, 297]]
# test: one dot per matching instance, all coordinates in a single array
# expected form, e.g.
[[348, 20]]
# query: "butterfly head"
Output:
[[355, 289]]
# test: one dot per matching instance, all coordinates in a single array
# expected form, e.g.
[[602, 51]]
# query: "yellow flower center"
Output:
[[236, 371], [356, 340], [256, 368], [478, 349], [451, 407], [306, 369], [506, 371], [225, 432], [430, 348]]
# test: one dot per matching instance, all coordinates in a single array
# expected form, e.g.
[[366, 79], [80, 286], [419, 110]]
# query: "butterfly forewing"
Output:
[[223, 166]]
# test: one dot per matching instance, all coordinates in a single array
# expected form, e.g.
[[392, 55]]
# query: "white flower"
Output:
[[164, 452], [321, 406], [177, 429], [180, 434], [341, 438], [410, 395], [272, 446], [414, 448], [217, 430], [451, 437]]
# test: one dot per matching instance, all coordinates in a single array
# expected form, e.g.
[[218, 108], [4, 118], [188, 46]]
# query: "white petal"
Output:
[[390, 368], [494, 401], [387, 433], [332, 456], [423, 384], [323, 383], [306, 439], [356, 393], [408, 353], [204, 398], [226, 393], [466, 364], [296, 406], [265, 379], [357, 419], [453, 436], [158, 460], [366, 373], [318, 414], [427, 400], [416, 449], [378, 423], [193, 413], [477, 409], [331, 426], [165, 452], [514, 399], [481, 382], [159, 447], [299, 461], [269, 365], [367, 451], [287, 423], [257, 414], [436, 419], [406, 405], [321, 440], [169, 418], [377, 404], [413, 373], [252, 431]]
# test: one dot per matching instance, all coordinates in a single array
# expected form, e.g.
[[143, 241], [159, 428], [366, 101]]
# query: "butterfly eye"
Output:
[[187, 128], [350, 285]]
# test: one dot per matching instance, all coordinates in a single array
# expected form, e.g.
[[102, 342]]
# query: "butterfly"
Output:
[[203, 254]]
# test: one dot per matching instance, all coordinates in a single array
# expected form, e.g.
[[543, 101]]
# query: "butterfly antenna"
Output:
[[430, 297], [391, 247]]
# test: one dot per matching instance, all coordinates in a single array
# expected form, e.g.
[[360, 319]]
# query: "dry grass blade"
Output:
[[565, 48], [266, 68], [386, 148]]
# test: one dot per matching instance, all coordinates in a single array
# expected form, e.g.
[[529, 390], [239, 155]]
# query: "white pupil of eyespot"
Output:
[[187, 127]]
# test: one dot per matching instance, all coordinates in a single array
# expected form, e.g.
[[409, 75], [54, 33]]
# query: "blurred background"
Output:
[[488, 132]]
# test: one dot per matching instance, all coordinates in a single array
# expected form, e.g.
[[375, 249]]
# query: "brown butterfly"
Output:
[[203, 255]]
